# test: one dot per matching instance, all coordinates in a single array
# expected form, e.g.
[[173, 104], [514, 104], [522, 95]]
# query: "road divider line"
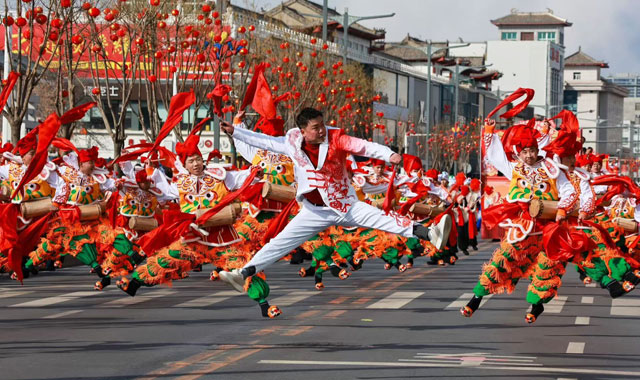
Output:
[[464, 299], [575, 348], [291, 298], [14, 293], [586, 299], [582, 321], [202, 301], [404, 363], [395, 300], [555, 305], [63, 314], [56, 300], [128, 301], [629, 307]]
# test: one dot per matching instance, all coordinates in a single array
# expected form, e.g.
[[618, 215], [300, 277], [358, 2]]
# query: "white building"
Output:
[[631, 82], [597, 102], [530, 53]]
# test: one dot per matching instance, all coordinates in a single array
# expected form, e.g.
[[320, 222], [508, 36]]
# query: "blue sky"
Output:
[[608, 30]]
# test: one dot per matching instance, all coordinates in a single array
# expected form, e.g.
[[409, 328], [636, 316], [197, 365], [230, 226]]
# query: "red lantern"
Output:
[[8, 21], [77, 40], [65, 3], [252, 28], [21, 21], [95, 91], [94, 12], [86, 6], [152, 78]]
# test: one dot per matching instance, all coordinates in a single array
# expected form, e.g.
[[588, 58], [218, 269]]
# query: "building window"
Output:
[[576, 76], [546, 36], [526, 36], [509, 36]]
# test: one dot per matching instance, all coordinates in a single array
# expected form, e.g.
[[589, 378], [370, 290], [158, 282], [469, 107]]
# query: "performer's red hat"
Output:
[[464, 190], [7, 147], [598, 158], [28, 142], [432, 173], [141, 176], [474, 185], [376, 162], [411, 163], [85, 155], [188, 148], [488, 190], [519, 137]]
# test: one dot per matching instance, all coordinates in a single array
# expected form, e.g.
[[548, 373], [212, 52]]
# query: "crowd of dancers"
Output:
[[318, 198]]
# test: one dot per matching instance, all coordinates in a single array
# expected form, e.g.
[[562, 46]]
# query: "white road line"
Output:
[[126, 300], [464, 299], [63, 314], [567, 378], [395, 300], [575, 348], [14, 293], [209, 300], [626, 306], [587, 299], [555, 305], [591, 285], [292, 298], [583, 320], [57, 299], [403, 363], [473, 361]]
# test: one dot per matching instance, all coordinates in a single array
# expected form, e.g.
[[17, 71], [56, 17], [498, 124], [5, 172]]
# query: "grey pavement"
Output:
[[377, 324]]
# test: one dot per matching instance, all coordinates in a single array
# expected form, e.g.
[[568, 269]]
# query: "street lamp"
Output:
[[346, 20]]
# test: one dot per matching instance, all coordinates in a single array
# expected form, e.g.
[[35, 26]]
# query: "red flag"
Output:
[[391, 194], [64, 144], [8, 87], [180, 102], [29, 238], [76, 113], [251, 88], [516, 109], [46, 133]]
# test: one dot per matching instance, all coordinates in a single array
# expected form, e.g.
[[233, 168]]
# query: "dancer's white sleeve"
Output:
[[260, 140], [364, 148], [497, 157], [247, 151], [234, 179], [169, 190]]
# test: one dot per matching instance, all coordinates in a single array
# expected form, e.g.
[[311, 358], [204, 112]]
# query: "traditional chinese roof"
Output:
[[289, 8], [580, 58], [530, 18]]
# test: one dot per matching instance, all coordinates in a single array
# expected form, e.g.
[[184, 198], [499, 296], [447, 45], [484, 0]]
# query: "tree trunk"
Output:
[[15, 131]]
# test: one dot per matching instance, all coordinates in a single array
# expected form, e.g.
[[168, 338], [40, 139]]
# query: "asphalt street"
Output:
[[377, 324]]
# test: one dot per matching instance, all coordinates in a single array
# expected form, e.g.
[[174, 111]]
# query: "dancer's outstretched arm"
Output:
[[259, 140]]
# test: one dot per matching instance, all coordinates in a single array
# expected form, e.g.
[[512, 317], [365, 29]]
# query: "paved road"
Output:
[[375, 325]]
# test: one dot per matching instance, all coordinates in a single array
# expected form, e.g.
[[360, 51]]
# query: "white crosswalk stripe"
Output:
[[209, 300], [127, 301], [555, 305], [626, 306], [395, 300], [56, 300], [291, 298], [464, 299], [14, 293]]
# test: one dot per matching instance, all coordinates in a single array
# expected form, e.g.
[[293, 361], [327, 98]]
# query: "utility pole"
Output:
[[325, 12]]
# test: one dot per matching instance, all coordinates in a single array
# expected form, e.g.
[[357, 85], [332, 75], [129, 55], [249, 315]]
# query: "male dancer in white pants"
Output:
[[324, 187]]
